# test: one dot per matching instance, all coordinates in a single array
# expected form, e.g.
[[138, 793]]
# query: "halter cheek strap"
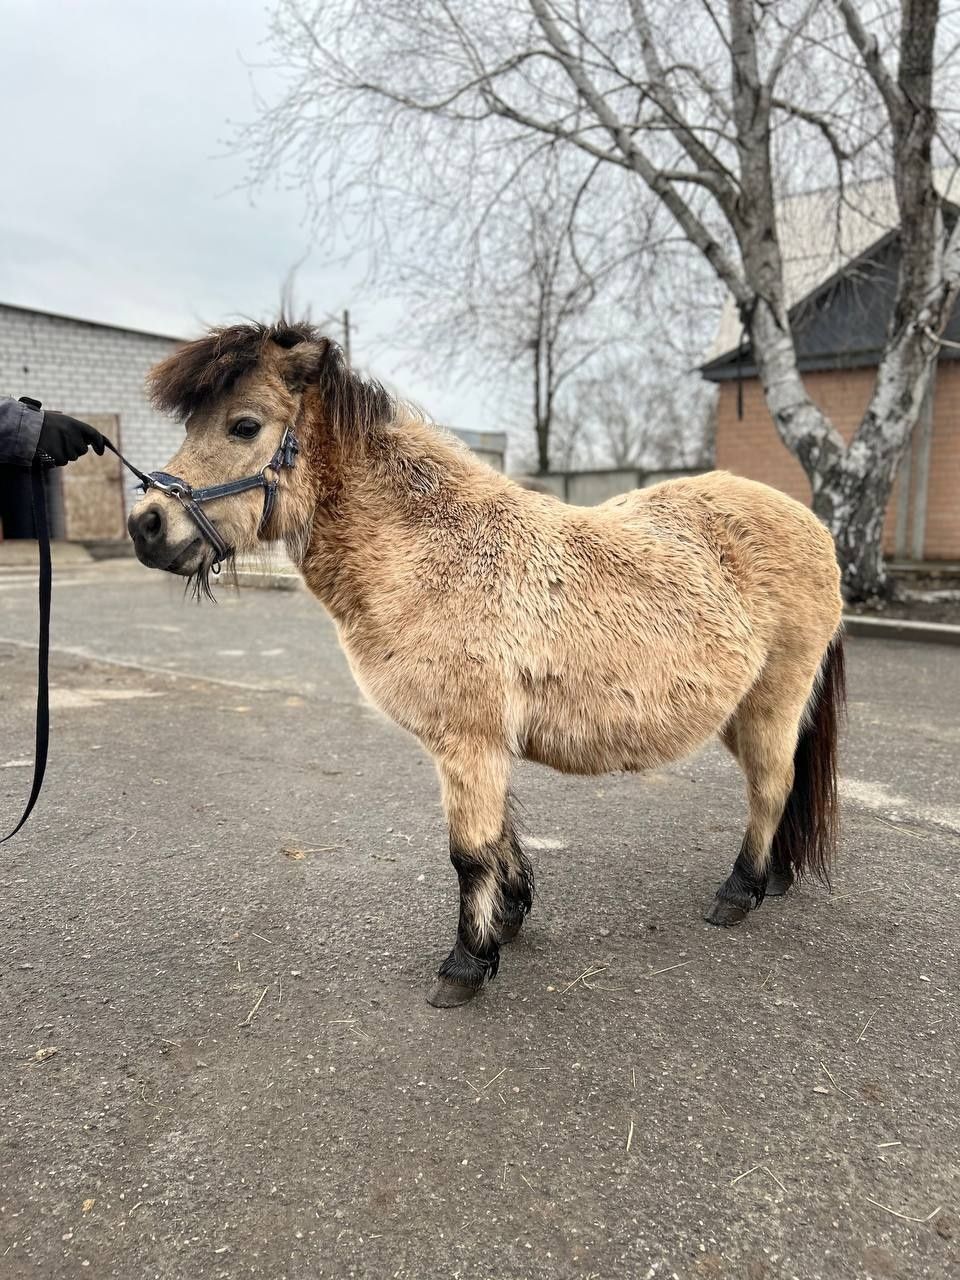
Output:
[[192, 500]]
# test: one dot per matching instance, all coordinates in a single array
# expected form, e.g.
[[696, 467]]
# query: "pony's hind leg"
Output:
[[785, 735], [763, 742], [779, 871], [475, 801], [516, 883]]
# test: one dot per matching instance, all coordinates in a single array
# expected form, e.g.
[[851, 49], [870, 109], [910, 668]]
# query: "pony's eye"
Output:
[[246, 428]]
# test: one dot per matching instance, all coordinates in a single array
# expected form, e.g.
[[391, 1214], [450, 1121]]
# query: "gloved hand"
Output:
[[64, 439]]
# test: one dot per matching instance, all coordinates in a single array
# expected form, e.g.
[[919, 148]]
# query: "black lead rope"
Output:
[[43, 646], [141, 476], [190, 499], [42, 530]]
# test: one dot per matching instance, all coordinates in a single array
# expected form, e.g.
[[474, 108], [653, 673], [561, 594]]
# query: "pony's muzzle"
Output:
[[158, 544]]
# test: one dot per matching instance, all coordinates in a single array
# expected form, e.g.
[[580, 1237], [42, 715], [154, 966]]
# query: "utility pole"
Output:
[[346, 335]]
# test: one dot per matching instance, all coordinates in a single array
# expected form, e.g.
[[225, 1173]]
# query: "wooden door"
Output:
[[93, 489]]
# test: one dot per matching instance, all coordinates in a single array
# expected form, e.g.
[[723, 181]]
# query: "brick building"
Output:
[[841, 280], [95, 372]]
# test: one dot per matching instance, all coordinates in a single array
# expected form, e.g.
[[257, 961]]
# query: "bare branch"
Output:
[[840, 153], [869, 50], [785, 48], [723, 185], [694, 228]]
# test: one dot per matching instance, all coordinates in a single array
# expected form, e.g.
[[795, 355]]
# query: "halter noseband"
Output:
[[192, 499]]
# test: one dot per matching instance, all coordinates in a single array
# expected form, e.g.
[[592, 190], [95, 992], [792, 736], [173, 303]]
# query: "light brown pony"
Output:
[[497, 624]]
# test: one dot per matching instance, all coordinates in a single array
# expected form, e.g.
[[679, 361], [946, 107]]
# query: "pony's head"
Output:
[[238, 389]]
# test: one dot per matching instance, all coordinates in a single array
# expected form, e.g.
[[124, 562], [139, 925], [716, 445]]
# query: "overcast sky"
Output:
[[123, 203]]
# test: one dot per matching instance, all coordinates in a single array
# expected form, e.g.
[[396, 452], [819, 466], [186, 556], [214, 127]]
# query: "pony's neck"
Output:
[[381, 496]]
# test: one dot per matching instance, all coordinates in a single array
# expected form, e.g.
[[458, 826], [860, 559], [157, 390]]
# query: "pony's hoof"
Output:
[[445, 994], [509, 932], [778, 883], [725, 913]]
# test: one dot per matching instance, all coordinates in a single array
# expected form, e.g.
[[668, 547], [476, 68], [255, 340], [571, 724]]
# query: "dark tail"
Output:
[[806, 839]]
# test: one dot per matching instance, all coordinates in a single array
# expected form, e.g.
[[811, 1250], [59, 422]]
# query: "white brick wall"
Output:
[[83, 368]]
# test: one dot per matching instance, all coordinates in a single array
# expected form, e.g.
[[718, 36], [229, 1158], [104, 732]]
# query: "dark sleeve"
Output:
[[19, 431]]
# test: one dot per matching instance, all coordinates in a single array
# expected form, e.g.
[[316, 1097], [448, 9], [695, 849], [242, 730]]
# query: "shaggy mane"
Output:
[[201, 371]]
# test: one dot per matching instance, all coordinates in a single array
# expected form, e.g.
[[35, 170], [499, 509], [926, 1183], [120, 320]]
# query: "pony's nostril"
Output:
[[148, 525]]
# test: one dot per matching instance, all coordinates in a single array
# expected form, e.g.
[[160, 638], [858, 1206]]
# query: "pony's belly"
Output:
[[586, 756], [618, 733], [626, 751]]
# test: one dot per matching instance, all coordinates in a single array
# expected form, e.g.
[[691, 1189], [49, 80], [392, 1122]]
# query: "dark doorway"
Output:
[[16, 503]]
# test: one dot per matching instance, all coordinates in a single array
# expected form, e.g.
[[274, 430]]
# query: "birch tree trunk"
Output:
[[852, 490], [850, 485]]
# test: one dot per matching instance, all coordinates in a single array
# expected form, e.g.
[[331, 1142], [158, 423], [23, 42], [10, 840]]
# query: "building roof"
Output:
[[94, 324], [823, 235]]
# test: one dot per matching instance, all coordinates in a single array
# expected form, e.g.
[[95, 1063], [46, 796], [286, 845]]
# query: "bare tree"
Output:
[[554, 305], [554, 297], [539, 299], [705, 108], [651, 419], [532, 261]]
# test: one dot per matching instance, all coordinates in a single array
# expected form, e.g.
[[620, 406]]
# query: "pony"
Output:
[[496, 623]]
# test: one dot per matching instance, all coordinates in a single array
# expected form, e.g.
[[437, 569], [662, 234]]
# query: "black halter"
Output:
[[267, 479]]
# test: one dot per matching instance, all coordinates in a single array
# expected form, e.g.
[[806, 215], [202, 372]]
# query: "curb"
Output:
[[855, 624], [110, 548], [23, 554], [269, 581]]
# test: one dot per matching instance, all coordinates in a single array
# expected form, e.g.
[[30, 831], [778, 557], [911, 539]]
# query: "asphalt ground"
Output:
[[218, 927]]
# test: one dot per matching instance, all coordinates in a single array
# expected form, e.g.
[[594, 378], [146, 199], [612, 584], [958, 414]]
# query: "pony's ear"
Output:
[[304, 363]]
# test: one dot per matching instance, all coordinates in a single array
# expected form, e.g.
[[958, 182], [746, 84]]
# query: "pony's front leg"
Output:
[[475, 799]]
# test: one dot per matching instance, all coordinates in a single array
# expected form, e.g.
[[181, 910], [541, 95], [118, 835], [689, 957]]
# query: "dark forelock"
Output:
[[200, 371]]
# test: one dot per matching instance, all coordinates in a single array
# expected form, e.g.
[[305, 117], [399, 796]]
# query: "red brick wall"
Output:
[[942, 539], [751, 447]]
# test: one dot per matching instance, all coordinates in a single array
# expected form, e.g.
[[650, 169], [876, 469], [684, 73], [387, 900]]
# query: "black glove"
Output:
[[64, 439]]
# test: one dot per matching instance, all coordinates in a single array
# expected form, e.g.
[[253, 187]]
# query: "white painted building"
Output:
[[88, 369], [96, 372]]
